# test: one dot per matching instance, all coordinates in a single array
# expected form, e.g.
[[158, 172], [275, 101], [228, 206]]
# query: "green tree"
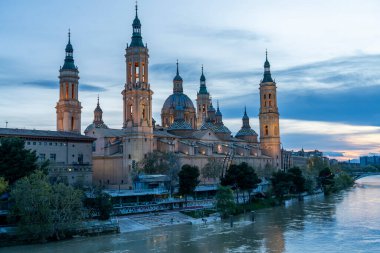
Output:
[[212, 169], [66, 208], [32, 206], [16, 161], [44, 210], [188, 179], [298, 180], [326, 180], [3, 185], [241, 177], [281, 184], [103, 205], [225, 203]]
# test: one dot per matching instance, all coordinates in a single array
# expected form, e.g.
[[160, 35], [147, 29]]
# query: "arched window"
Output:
[[72, 123], [266, 130], [269, 95], [265, 96], [67, 91], [143, 114], [72, 90]]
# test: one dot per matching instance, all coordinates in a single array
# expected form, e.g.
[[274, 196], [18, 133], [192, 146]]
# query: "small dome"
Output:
[[92, 126], [178, 99], [216, 128], [177, 78], [136, 22], [69, 48], [246, 132]]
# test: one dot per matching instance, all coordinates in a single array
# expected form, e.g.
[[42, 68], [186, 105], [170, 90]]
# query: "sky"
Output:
[[324, 55]]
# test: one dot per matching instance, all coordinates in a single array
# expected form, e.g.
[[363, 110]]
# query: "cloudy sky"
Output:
[[324, 55]]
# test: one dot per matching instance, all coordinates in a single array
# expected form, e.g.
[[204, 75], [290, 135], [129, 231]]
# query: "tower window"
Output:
[[137, 72], [269, 95], [270, 103], [265, 96], [67, 91], [266, 130], [72, 90], [72, 123]]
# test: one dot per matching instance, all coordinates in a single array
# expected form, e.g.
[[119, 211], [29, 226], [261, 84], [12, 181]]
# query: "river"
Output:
[[346, 222]]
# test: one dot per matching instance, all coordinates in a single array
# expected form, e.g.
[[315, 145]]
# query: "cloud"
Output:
[[48, 84]]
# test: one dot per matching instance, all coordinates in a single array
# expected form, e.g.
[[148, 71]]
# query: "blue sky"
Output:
[[325, 57]]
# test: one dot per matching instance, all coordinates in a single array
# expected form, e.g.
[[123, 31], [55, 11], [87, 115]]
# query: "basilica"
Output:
[[194, 131]]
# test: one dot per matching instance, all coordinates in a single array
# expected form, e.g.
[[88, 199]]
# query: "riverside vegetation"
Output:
[[44, 210]]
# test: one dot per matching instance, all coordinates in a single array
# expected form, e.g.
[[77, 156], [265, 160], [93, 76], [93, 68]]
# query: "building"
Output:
[[69, 154], [196, 132], [369, 160]]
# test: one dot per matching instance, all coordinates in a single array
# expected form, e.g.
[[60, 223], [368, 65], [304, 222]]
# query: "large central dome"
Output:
[[178, 99]]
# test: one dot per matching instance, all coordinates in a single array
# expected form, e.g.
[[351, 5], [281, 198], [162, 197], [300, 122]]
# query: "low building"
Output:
[[69, 153]]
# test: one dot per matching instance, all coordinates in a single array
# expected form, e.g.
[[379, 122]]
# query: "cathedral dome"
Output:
[[178, 99], [92, 126]]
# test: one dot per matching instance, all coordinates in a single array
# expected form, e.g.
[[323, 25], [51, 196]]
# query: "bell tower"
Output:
[[137, 99], [203, 101], [269, 118], [68, 107]]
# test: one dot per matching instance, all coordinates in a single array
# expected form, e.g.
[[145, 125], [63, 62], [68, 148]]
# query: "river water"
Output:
[[346, 222]]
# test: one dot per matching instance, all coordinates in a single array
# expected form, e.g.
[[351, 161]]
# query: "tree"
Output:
[[326, 180], [212, 169], [166, 163], [281, 183], [44, 210], [242, 177], [103, 205], [66, 207], [16, 161], [225, 203], [3, 185], [188, 179], [31, 196], [297, 179]]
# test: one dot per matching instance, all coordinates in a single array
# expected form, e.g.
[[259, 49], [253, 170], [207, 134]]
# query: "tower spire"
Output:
[[177, 68], [136, 8], [177, 82], [136, 35], [267, 75], [203, 88]]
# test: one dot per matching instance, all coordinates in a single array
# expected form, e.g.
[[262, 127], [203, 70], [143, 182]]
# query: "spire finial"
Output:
[[98, 99], [202, 69], [136, 8], [69, 35], [245, 110], [266, 54], [177, 68], [217, 104]]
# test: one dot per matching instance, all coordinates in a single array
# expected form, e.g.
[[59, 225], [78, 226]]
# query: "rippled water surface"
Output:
[[346, 222]]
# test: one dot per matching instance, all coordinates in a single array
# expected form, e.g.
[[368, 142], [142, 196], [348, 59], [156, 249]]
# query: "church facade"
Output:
[[195, 132]]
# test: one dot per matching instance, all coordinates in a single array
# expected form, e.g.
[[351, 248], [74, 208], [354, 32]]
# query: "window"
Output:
[[67, 91], [93, 147], [45, 143], [28, 142], [34, 143], [265, 96], [129, 156], [269, 96], [72, 90], [53, 157], [146, 139], [50, 143], [80, 158], [266, 130], [56, 144], [72, 123], [42, 157], [270, 103]]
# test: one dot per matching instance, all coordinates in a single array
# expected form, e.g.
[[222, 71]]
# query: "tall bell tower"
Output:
[[68, 107], [269, 118], [203, 101], [137, 99]]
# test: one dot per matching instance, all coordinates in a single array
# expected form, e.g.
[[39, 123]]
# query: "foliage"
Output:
[[212, 169], [16, 161], [166, 163], [44, 210], [3, 185], [297, 179], [66, 207], [196, 214], [225, 203], [188, 179], [326, 180], [241, 177], [342, 181], [103, 205], [281, 183]]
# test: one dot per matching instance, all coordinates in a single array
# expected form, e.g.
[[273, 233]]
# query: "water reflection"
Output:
[[346, 222]]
